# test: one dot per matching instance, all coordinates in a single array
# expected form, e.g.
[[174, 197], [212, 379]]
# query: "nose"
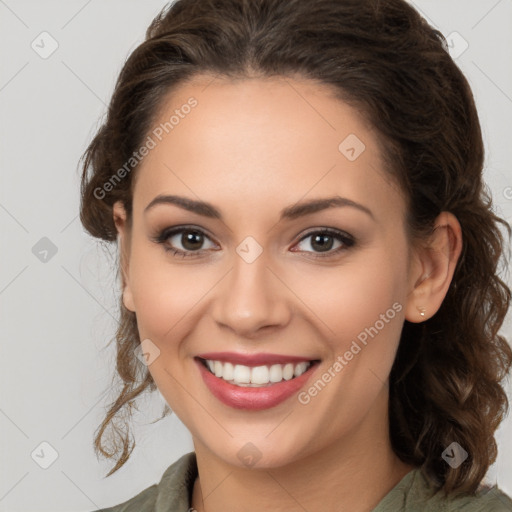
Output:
[[252, 298]]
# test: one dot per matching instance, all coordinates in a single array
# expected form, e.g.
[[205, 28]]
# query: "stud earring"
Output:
[[422, 310]]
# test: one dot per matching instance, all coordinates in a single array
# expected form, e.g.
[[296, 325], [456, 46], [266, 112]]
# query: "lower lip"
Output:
[[253, 398]]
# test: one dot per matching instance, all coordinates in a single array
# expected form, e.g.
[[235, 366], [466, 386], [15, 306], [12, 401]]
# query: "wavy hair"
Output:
[[384, 58]]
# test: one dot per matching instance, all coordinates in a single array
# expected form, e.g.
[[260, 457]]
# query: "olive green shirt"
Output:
[[411, 494]]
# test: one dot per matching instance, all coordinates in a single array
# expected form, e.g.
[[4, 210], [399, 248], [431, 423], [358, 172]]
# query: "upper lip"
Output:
[[259, 359]]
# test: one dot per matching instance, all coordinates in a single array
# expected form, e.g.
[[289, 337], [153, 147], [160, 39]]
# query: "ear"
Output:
[[433, 269], [123, 240]]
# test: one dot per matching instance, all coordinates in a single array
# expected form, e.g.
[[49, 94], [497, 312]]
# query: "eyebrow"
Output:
[[291, 212]]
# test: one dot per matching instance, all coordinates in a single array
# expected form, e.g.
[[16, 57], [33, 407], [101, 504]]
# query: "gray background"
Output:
[[58, 314]]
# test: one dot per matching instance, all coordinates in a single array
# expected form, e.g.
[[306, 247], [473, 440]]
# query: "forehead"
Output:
[[270, 139]]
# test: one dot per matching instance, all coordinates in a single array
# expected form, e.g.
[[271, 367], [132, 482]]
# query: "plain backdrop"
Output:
[[58, 288]]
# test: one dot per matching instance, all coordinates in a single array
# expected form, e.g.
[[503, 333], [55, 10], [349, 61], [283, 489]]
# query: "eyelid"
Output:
[[325, 229], [165, 233]]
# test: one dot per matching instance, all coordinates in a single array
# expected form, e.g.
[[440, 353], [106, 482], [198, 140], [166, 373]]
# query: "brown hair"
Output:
[[383, 57]]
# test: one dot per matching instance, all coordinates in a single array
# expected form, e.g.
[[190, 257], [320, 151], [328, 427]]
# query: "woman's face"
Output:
[[260, 275]]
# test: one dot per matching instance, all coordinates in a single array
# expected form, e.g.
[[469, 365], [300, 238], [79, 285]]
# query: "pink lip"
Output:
[[253, 398], [260, 359]]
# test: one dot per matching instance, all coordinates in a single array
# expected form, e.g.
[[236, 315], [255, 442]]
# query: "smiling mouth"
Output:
[[256, 376]]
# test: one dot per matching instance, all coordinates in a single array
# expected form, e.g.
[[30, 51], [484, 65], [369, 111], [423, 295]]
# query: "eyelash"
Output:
[[347, 240]]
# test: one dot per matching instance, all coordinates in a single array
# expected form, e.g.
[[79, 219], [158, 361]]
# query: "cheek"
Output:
[[352, 297], [166, 295], [361, 310]]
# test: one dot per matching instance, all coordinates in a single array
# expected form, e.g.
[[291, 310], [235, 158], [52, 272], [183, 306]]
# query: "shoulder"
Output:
[[497, 502], [414, 493], [142, 502], [486, 499], [489, 500], [172, 493]]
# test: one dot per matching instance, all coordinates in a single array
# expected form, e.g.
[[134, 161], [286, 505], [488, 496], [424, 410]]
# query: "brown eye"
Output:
[[323, 241], [192, 240], [184, 241]]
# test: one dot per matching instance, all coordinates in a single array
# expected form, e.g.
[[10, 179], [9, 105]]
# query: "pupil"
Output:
[[320, 240], [192, 240]]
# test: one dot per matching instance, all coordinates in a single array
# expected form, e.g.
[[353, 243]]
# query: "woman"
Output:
[[309, 259]]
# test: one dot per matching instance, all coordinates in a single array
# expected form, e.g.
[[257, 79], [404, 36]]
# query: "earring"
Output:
[[422, 310]]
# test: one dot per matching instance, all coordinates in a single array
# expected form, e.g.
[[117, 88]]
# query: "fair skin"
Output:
[[252, 148]]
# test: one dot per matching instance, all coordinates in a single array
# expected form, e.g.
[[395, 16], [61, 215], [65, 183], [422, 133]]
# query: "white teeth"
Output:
[[228, 371], [260, 375], [300, 368], [242, 375], [276, 373], [288, 371]]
